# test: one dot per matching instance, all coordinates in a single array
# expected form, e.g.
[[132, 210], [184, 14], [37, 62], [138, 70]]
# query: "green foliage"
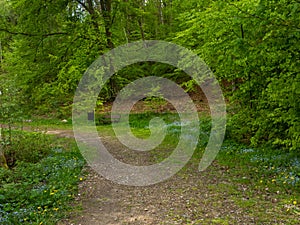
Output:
[[19, 146], [11, 104], [40, 193], [47, 54], [252, 48]]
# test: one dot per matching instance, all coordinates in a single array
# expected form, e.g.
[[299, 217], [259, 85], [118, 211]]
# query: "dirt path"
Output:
[[189, 197]]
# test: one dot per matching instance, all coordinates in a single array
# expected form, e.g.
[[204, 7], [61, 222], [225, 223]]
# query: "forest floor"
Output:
[[189, 197], [219, 195]]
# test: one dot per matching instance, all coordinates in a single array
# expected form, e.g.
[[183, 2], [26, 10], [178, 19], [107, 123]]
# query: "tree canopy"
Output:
[[252, 46]]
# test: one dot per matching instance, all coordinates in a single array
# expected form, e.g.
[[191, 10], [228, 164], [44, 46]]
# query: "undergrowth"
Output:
[[42, 180]]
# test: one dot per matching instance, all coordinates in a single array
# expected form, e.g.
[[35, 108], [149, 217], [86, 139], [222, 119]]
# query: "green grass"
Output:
[[267, 166], [39, 190], [264, 171], [50, 181]]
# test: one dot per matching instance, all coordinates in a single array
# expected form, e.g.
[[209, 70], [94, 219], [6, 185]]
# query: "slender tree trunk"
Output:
[[141, 28], [106, 7], [140, 20], [3, 162], [106, 11], [249, 73], [160, 12], [127, 28], [1, 54]]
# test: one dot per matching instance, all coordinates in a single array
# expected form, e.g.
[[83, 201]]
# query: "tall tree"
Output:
[[250, 45]]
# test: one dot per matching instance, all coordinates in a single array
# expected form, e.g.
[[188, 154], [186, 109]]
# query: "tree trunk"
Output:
[[160, 12], [3, 162], [106, 13]]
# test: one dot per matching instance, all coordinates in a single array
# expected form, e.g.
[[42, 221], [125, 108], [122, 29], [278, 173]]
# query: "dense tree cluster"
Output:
[[251, 45]]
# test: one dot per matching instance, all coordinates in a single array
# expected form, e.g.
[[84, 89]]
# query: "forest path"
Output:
[[189, 197]]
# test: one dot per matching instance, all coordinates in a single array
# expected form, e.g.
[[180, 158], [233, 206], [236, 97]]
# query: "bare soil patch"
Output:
[[198, 97]]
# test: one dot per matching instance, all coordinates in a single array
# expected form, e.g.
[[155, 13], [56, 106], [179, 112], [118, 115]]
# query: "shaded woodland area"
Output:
[[251, 46]]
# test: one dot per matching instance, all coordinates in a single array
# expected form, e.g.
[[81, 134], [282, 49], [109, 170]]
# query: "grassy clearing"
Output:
[[39, 189], [42, 180]]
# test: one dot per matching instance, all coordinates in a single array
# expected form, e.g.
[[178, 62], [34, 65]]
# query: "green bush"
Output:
[[21, 146]]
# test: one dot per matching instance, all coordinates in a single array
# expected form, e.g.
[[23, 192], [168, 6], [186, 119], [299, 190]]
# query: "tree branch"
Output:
[[83, 5], [32, 35]]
